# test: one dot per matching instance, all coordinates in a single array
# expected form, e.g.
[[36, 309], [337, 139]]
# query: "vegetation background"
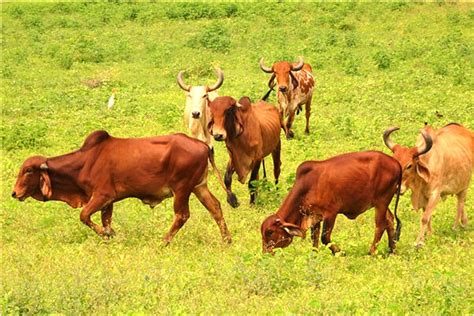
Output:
[[376, 65]]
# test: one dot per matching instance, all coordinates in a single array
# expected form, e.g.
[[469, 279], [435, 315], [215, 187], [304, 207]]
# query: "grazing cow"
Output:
[[347, 184], [251, 132], [439, 165], [108, 169], [295, 85], [195, 112]]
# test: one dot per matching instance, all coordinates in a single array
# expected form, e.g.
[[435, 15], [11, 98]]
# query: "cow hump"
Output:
[[94, 139]]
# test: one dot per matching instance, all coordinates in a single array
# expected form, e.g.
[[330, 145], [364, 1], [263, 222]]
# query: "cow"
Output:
[[107, 169], [440, 164], [346, 184], [195, 112], [295, 83], [251, 132]]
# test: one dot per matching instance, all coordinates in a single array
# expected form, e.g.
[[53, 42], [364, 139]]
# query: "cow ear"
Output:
[[293, 230], [293, 80], [45, 184], [271, 82], [422, 171]]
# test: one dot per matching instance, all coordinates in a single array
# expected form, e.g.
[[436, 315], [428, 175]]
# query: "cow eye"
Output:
[[28, 170], [269, 233], [205, 96], [408, 166], [188, 95]]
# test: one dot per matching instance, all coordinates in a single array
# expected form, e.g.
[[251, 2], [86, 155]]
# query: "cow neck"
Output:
[[290, 210], [64, 173]]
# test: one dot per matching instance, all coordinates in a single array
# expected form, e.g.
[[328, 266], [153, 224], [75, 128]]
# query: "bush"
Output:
[[382, 60], [195, 11], [215, 37]]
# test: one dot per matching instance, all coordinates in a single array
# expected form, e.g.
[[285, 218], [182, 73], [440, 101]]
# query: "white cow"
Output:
[[196, 115]]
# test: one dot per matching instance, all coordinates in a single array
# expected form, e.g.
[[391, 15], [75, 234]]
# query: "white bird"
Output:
[[111, 102]]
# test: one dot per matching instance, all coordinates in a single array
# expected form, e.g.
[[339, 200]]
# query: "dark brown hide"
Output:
[[347, 184]]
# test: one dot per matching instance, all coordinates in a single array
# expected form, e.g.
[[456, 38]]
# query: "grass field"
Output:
[[376, 65]]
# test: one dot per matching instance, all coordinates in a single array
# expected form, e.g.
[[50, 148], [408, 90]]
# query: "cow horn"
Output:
[[220, 80], [237, 104], [386, 137], [427, 146], [44, 166], [181, 83], [265, 68], [299, 66]]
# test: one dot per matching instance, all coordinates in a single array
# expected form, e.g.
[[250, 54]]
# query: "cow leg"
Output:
[[228, 176], [181, 215], [253, 177], [307, 113], [426, 218], [390, 231], [315, 229], [95, 203], [380, 226], [289, 132], [461, 215], [282, 121], [214, 207], [106, 215], [328, 224], [276, 161]]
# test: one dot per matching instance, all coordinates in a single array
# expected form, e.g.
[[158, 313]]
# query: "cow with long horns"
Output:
[[295, 83], [440, 164], [251, 132], [196, 111]]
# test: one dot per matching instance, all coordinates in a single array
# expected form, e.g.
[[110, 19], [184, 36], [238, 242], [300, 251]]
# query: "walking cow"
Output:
[[251, 132], [108, 169], [347, 184], [295, 85], [439, 165]]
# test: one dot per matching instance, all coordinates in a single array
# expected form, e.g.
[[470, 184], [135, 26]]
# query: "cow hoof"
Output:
[[419, 244], [109, 232], [306, 132], [290, 134], [232, 200]]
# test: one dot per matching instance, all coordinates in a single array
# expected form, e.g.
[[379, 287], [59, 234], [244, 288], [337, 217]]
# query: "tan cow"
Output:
[[439, 165], [295, 85], [196, 112]]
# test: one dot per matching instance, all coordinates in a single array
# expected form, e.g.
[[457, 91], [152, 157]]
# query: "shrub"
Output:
[[215, 37], [382, 60], [195, 11]]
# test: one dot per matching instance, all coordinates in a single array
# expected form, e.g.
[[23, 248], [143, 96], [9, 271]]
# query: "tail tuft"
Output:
[[398, 230]]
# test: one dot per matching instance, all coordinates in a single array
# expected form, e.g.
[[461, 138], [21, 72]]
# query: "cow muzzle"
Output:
[[219, 137], [18, 197], [283, 89], [196, 114]]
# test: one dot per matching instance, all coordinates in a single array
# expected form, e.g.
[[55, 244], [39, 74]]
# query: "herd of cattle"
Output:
[[107, 169]]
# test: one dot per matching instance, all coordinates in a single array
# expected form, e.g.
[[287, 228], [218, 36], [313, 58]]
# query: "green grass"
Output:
[[376, 65]]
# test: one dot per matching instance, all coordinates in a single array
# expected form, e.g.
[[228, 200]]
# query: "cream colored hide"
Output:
[[196, 116]]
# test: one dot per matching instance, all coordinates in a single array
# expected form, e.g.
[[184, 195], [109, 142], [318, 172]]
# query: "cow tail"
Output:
[[399, 222], [231, 198]]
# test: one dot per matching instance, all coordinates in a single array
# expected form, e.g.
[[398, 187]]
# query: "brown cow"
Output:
[[295, 85], [347, 184], [108, 169], [439, 165], [251, 132]]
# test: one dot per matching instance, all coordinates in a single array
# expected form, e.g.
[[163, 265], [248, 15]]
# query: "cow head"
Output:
[[33, 180], [283, 72], [278, 234], [226, 117], [408, 157], [197, 96]]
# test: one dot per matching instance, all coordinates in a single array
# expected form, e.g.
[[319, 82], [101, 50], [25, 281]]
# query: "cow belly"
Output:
[[157, 198]]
